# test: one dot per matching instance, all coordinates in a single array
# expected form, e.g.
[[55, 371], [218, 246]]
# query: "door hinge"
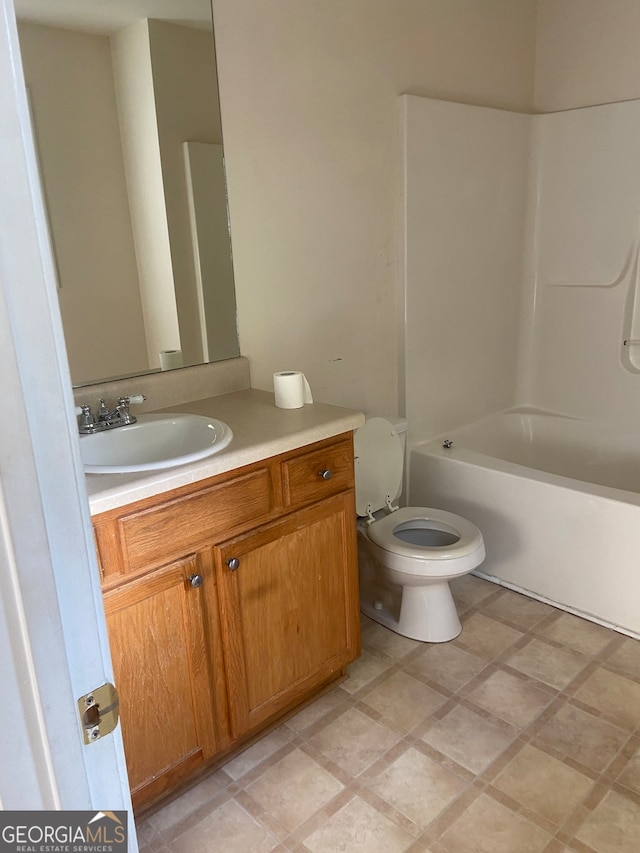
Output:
[[98, 712]]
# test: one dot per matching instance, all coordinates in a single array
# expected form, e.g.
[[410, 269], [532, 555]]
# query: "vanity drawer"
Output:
[[314, 475], [157, 534]]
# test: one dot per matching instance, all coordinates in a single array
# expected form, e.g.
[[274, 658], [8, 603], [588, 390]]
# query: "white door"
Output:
[[53, 641]]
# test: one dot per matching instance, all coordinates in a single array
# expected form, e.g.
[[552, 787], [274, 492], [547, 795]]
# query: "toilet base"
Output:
[[427, 613]]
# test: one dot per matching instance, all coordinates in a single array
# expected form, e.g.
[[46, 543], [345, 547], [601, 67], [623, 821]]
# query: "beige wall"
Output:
[[310, 98], [312, 129], [71, 88], [587, 53]]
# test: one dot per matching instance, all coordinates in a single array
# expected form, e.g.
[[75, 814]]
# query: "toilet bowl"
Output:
[[406, 556]]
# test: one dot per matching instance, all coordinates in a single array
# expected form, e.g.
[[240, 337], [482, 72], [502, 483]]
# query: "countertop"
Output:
[[259, 430]]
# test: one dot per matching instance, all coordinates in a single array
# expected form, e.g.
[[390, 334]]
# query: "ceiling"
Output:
[[107, 16]]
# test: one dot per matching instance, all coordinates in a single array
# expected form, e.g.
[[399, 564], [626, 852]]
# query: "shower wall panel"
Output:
[[466, 171], [584, 276]]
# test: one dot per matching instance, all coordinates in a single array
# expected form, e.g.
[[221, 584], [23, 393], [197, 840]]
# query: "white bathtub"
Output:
[[558, 502]]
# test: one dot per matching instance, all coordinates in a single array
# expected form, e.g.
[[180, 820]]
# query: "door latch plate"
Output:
[[98, 712]]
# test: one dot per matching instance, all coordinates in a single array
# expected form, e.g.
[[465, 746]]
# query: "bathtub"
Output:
[[558, 502]]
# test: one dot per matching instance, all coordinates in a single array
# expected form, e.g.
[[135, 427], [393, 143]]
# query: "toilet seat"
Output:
[[432, 560]]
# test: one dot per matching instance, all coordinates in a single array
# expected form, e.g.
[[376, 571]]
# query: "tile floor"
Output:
[[520, 736]]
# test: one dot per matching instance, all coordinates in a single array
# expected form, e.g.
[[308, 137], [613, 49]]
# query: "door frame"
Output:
[[53, 640]]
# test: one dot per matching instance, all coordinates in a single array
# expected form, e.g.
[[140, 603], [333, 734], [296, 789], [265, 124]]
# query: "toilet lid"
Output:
[[379, 461]]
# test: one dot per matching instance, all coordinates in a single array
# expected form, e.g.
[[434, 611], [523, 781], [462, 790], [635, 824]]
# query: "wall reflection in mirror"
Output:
[[127, 126]]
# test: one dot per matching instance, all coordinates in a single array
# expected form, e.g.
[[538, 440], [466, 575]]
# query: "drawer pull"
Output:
[[195, 580], [233, 563], [326, 473]]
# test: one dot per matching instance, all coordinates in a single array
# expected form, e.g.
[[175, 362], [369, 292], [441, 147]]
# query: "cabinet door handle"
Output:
[[195, 580], [233, 563], [326, 473]]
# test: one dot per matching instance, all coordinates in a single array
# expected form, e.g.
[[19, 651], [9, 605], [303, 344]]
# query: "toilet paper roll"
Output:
[[291, 389], [170, 358]]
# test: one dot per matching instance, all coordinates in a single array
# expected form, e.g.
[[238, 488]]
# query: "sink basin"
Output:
[[153, 442]]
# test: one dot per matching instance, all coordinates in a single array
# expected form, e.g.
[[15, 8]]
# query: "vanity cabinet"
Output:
[[229, 602]]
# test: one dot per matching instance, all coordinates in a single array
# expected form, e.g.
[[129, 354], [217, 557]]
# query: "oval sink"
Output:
[[153, 442]]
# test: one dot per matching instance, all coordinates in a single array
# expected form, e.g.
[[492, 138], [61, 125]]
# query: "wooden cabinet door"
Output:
[[288, 608], [159, 648]]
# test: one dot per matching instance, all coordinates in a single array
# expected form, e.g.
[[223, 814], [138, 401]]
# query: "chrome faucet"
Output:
[[107, 418]]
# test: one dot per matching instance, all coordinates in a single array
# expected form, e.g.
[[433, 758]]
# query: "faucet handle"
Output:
[[123, 407], [132, 399], [87, 421]]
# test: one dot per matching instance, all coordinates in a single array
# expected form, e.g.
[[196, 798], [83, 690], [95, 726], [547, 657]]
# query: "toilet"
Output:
[[406, 556]]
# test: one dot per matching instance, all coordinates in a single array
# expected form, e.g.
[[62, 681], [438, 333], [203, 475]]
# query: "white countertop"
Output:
[[259, 430]]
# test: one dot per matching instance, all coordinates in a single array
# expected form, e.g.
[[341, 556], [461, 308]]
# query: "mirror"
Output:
[[124, 104]]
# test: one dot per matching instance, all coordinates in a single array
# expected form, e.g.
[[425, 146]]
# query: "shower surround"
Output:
[[523, 290]]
